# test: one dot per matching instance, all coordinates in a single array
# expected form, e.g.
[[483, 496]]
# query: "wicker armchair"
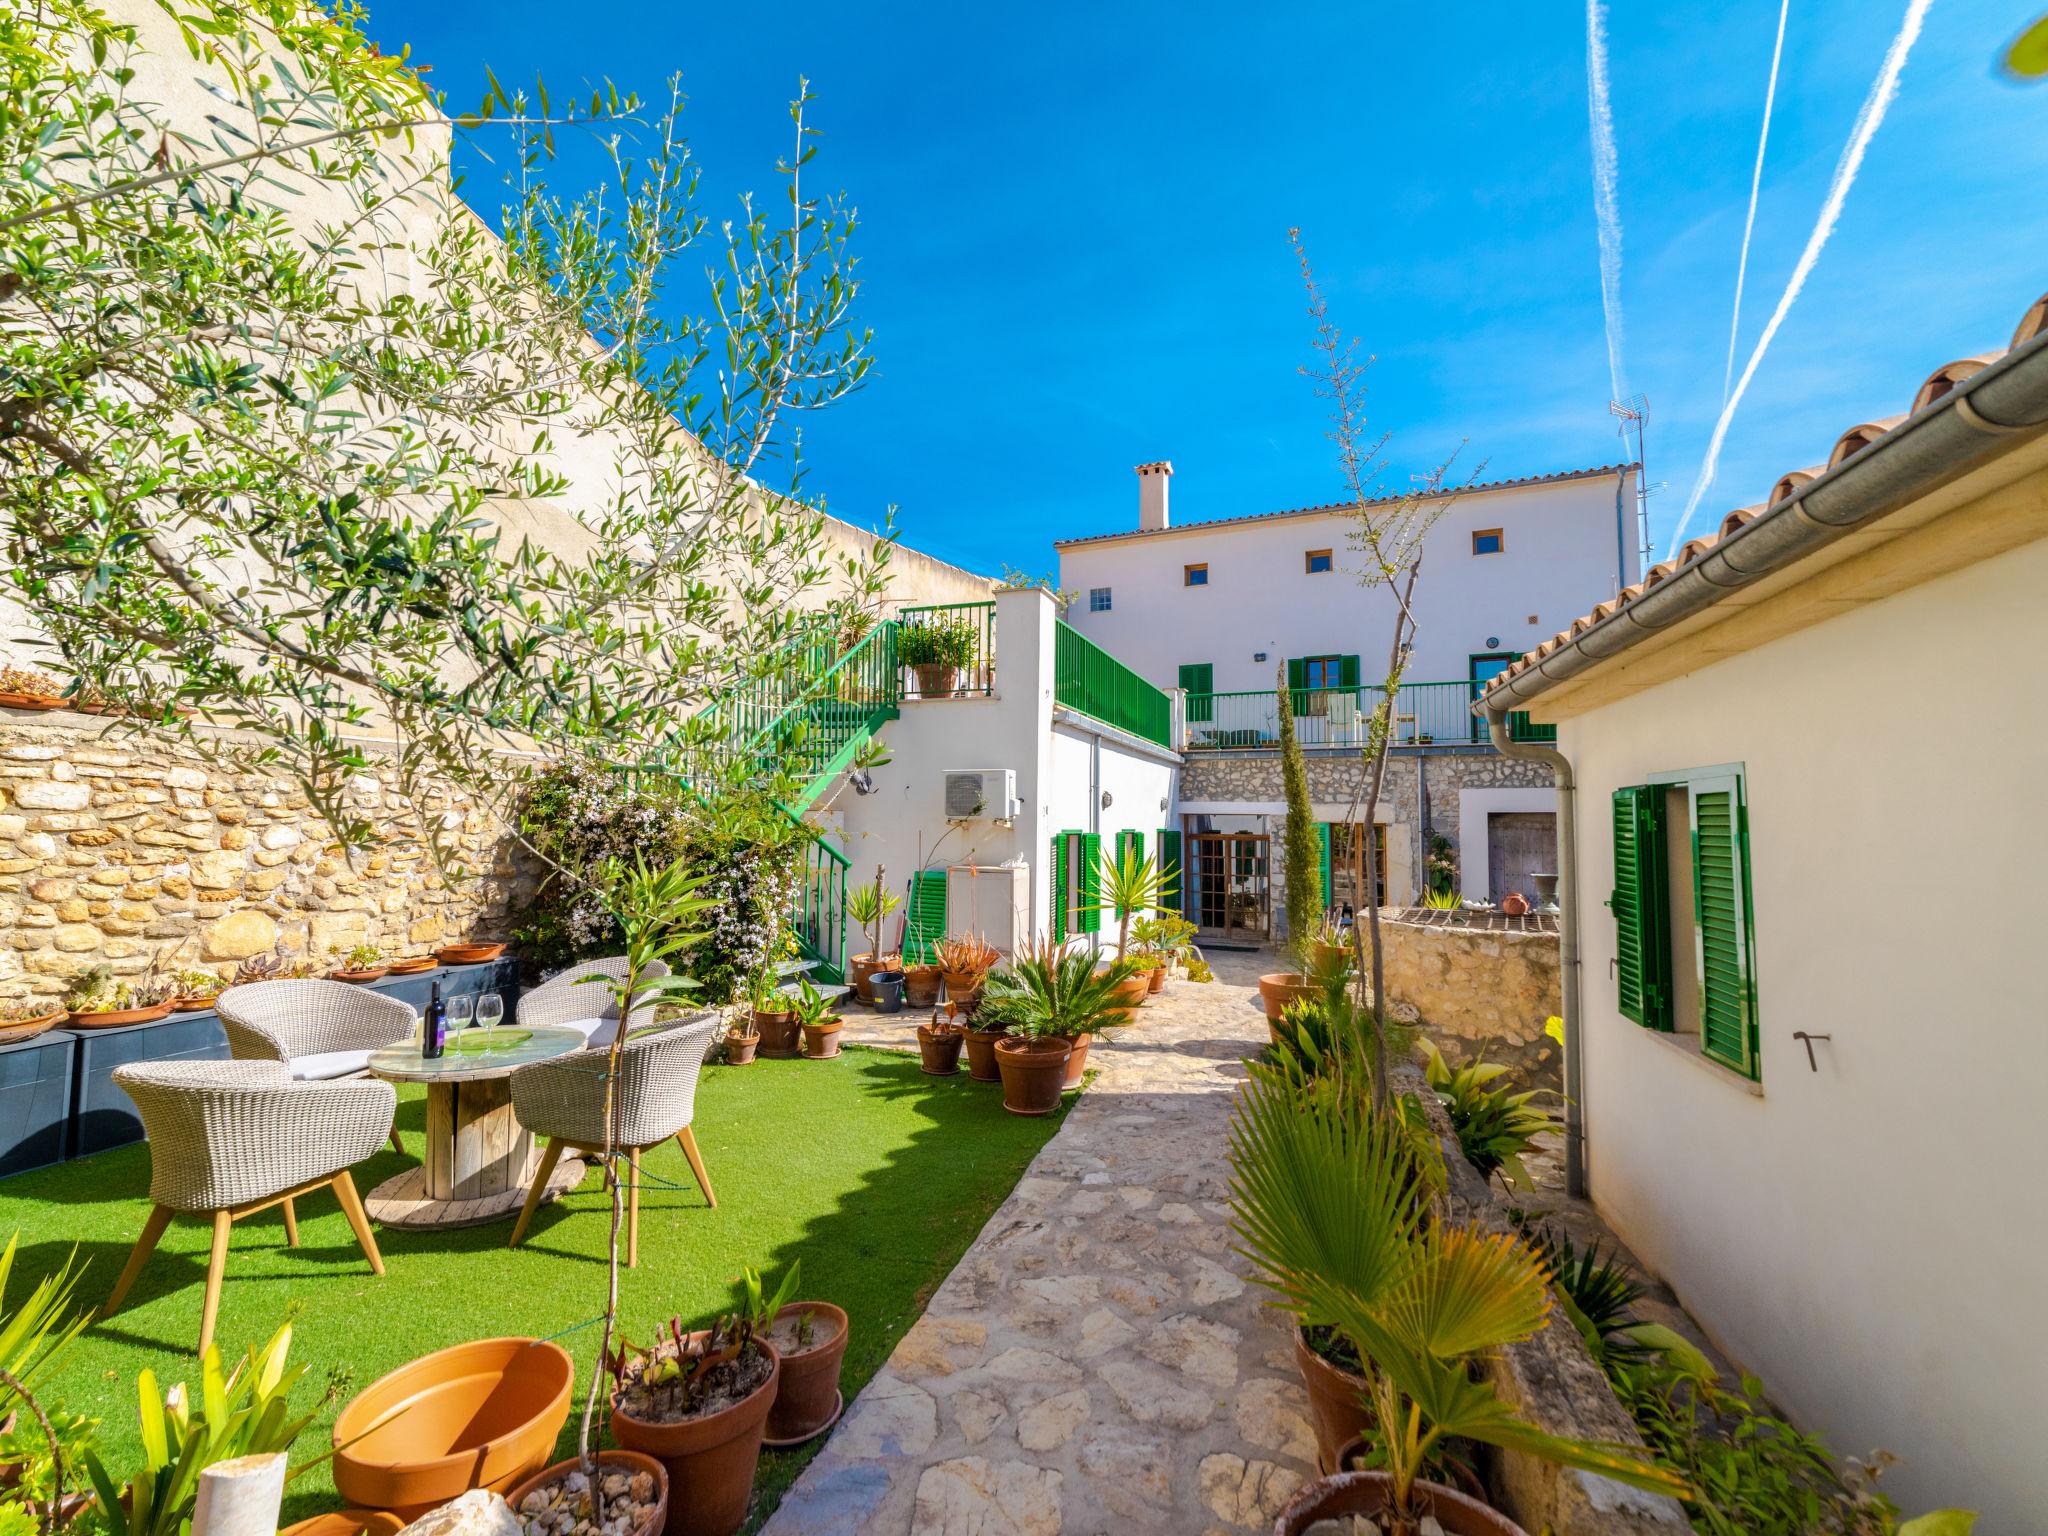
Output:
[[563, 1100], [568, 1001], [319, 1029], [229, 1139]]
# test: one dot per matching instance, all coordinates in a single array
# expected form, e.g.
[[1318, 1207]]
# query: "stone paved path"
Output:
[[1099, 1361]]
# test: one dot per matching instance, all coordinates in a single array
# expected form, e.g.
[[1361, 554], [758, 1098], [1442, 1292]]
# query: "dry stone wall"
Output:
[[129, 851], [1472, 989]]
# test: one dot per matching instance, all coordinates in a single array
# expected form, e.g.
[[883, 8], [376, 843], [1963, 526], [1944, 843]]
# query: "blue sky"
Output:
[[1074, 230]]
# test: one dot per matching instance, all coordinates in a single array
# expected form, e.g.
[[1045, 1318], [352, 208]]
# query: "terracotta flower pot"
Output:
[[1280, 988], [348, 1522], [920, 985], [1157, 982], [113, 1018], [627, 1461], [861, 972], [938, 681], [30, 701], [710, 1459], [822, 1040], [1077, 1060], [1034, 1073], [740, 1049], [777, 1031], [940, 1050], [468, 954], [1131, 993], [1336, 1405], [413, 965], [981, 1054], [964, 987], [1365, 1493], [477, 1415], [807, 1402], [28, 1029], [367, 974]]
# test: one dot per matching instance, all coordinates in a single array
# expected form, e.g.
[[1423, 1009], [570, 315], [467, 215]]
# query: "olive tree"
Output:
[[296, 452]]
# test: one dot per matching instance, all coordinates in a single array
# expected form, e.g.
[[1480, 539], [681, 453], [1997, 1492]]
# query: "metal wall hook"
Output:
[[1807, 1040]]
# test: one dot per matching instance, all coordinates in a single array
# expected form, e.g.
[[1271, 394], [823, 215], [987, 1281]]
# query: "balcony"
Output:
[[1425, 715]]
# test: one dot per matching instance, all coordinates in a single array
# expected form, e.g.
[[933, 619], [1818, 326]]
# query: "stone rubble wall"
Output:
[[131, 851], [1254, 777], [1472, 989]]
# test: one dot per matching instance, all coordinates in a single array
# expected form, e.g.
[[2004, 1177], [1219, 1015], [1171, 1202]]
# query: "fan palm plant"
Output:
[[1059, 991], [1130, 883], [1330, 1208]]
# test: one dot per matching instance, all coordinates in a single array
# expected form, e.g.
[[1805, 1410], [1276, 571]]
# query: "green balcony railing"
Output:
[[1088, 678], [1425, 714], [947, 649]]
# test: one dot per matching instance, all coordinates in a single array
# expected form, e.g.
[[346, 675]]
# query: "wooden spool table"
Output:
[[479, 1158]]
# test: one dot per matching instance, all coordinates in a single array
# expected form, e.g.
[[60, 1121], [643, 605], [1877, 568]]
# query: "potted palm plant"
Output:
[[1130, 884], [1061, 993], [1032, 1061], [1326, 1199], [869, 905], [994, 1018]]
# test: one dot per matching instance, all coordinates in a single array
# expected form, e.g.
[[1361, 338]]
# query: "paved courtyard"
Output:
[[1099, 1361]]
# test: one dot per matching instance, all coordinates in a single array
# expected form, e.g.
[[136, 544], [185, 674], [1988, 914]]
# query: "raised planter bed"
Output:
[[35, 1100]]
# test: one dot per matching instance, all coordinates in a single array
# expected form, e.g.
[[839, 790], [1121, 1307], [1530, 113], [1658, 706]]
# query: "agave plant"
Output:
[[1327, 1205], [1060, 991]]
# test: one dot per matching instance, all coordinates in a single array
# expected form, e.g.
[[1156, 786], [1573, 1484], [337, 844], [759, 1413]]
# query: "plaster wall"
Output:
[[1863, 1233], [1561, 557]]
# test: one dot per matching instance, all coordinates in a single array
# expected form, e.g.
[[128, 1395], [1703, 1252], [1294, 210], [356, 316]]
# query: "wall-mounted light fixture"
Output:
[[1107, 800], [1493, 642], [1258, 655]]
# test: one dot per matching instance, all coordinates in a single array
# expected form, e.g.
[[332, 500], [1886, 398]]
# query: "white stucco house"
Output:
[[1805, 1028], [1223, 610]]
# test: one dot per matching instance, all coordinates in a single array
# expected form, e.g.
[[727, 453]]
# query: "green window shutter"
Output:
[[925, 925], [1199, 679], [1091, 882], [1169, 870], [1297, 683], [1347, 672], [1642, 939], [1323, 858], [1723, 938], [1059, 886]]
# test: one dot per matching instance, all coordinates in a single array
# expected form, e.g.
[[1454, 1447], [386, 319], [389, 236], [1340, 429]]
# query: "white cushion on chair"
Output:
[[323, 1065], [595, 1031]]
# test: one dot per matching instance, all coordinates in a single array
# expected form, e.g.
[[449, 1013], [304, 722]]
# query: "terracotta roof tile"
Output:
[[1590, 472], [1936, 385]]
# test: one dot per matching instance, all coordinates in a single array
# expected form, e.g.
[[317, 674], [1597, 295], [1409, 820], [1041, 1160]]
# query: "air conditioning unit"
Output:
[[982, 794]]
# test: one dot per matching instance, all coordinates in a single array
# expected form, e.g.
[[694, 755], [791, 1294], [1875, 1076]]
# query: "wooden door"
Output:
[[1229, 887], [1519, 845]]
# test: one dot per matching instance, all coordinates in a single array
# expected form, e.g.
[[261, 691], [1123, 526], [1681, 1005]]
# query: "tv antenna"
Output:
[[1633, 414]]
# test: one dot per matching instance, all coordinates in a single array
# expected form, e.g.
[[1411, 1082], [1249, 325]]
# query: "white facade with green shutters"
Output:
[[1796, 833]]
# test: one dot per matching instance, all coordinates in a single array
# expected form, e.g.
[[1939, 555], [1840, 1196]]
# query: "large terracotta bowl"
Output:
[[479, 1415], [349, 1522]]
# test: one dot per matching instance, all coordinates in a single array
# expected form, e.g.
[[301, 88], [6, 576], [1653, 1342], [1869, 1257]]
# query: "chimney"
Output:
[[1152, 480]]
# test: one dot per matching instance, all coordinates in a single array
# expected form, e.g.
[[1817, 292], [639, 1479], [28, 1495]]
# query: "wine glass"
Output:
[[490, 1008], [459, 1011]]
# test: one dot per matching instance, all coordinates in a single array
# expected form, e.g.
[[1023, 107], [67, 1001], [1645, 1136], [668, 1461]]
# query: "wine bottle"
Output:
[[434, 1032]]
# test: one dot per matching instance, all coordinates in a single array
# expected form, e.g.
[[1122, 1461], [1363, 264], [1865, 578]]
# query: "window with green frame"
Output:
[[1311, 678], [1685, 933]]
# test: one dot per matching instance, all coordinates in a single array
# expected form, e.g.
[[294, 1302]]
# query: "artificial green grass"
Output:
[[875, 1175]]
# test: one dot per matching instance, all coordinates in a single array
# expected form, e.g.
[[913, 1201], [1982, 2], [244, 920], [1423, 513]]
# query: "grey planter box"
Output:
[[35, 1100]]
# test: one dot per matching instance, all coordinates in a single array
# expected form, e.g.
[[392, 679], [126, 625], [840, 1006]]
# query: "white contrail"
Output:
[[1756, 181], [1882, 90], [1600, 118]]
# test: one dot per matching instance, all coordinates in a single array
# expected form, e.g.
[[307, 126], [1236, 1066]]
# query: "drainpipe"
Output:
[[1568, 937], [1621, 528]]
